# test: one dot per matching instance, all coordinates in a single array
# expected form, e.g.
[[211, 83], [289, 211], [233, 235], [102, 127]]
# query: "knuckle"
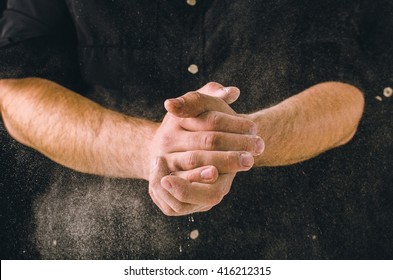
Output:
[[213, 86], [166, 140], [247, 126], [210, 141], [191, 161], [190, 176], [195, 96], [249, 144], [213, 120]]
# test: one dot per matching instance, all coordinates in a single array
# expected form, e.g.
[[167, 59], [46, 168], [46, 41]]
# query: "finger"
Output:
[[228, 94], [205, 195], [206, 174], [216, 141], [225, 162], [171, 205], [169, 211], [217, 121], [195, 103]]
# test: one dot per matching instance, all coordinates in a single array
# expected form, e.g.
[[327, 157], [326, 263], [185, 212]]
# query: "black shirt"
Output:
[[132, 55]]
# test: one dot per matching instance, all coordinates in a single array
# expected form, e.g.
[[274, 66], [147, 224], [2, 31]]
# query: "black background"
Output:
[[355, 212]]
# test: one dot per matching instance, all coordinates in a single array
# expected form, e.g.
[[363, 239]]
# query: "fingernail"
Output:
[[230, 94], [177, 102], [260, 146], [207, 173], [246, 159]]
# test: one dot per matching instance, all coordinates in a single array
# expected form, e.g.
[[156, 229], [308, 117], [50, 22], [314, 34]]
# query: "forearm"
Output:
[[320, 118], [75, 131]]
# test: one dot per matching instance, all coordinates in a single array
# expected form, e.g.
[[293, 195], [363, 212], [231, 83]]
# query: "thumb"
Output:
[[194, 103], [228, 94], [210, 97]]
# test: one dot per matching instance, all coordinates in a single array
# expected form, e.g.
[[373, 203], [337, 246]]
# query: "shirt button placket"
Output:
[[192, 68]]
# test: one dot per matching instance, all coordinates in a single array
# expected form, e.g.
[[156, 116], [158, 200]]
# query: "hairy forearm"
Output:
[[320, 118], [75, 131]]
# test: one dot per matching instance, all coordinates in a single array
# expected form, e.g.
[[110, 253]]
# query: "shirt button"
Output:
[[194, 234], [191, 2], [193, 69], [388, 92]]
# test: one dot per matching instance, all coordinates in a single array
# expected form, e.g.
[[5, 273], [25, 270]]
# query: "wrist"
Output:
[[265, 126], [151, 131]]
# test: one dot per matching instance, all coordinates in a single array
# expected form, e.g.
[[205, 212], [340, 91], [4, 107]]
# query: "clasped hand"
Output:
[[198, 149]]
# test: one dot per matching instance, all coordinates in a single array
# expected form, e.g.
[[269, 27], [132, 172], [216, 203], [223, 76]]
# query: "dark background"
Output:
[[352, 201], [3, 4]]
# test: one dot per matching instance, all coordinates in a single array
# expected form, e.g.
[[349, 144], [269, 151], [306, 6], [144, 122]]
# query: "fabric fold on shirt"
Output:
[[16, 27], [23, 20]]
